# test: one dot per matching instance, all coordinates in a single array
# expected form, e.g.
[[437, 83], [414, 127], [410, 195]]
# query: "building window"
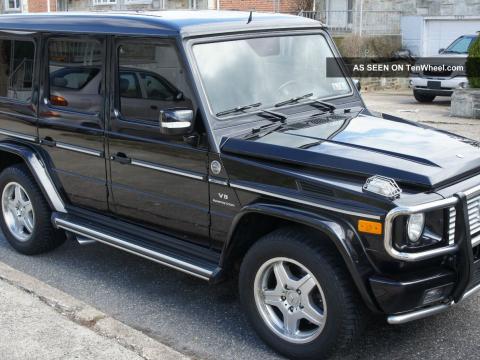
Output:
[[13, 5], [104, 2]]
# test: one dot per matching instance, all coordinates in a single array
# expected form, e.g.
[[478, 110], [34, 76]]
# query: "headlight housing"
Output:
[[415, 227], [421, 231]]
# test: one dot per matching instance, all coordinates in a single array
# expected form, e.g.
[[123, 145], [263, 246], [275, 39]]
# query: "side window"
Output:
[[16, 69], [75, 74], [150, 79]]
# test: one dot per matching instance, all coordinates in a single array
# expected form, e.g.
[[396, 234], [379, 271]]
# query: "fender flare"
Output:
[[335, 230], [38, 169]]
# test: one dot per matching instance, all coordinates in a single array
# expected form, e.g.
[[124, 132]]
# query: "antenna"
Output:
[[250, 17]]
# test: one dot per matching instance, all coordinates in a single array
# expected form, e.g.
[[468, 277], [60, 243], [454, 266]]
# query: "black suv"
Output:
[[215, 144]]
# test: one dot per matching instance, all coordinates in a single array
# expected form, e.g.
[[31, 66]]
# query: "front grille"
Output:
[[474, 216], [441, 73]]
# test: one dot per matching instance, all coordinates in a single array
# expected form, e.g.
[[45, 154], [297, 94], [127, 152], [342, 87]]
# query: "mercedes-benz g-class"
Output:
[[215, 143]]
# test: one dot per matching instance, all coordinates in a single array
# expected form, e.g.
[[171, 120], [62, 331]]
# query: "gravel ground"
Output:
[[206, 321]]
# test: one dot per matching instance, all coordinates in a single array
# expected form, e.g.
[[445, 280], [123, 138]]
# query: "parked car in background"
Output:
[[428, 84]]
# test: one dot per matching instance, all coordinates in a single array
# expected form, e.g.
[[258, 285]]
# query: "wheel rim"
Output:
[[290, 300], [18, 211]]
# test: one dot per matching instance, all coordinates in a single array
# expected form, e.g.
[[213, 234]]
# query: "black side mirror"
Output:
[[440, 51], [357, 84], [176, 121]]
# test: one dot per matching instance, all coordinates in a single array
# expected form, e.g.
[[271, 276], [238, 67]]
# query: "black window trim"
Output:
[[34, 40], [45, 74]]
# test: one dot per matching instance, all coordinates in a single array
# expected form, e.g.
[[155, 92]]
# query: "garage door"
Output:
[[439, 33]]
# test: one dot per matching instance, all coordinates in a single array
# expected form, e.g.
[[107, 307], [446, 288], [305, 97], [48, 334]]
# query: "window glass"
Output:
[[13, 4], [151, 79], [75, 68], [267, 70], [129, 86], [16, 69], [460, 46]]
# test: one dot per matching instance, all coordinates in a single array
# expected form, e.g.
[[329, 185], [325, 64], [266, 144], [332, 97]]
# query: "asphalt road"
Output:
[[206, 321]]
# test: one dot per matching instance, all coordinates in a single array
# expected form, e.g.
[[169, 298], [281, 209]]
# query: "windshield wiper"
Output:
[[273, 116], [294, 100], [239, 109], [323, 105]]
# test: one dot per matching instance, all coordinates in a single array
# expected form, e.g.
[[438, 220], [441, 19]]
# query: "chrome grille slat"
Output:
[[451, 227], [473, 206]]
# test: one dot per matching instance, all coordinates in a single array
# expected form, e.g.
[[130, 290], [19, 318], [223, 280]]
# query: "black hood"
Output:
[[366, 145]]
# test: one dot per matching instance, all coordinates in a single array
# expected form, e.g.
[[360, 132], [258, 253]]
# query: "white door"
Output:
[[439, 33]]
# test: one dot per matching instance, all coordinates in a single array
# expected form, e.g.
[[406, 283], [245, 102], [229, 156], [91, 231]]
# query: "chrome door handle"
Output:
[[121, 158]]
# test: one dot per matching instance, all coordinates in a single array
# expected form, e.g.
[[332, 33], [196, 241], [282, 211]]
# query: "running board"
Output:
[[153, 252]]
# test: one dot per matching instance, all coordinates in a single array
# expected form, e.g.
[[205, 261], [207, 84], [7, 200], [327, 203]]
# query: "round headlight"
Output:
[[415, 224]]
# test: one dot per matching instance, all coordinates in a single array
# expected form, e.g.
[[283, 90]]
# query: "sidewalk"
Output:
[[41, 322]]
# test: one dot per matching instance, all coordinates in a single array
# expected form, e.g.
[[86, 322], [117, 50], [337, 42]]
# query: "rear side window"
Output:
[[75, 74], [16, 69]]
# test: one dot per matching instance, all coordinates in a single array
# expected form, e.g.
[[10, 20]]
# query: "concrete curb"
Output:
[[85, 315]]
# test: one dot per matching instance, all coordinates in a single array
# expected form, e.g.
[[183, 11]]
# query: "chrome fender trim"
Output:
[[39, 171]]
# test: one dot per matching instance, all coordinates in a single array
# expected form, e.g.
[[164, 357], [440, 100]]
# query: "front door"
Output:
[[157, 181], [71, 116]]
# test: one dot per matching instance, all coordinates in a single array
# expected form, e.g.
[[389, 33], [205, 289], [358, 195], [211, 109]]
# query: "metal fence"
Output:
[[368, 22]]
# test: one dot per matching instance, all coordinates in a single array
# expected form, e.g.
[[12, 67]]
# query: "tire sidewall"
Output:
[[16, 174], [320, 268]]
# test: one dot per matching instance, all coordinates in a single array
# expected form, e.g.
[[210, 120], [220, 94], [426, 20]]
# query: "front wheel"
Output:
[[422, 97], [298, 295]]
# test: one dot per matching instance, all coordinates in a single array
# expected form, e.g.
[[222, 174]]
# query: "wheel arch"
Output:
[[15, 153], [243, 234]]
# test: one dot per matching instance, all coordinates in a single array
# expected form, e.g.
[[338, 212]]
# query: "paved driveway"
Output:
[[437, 114], [207, 322]]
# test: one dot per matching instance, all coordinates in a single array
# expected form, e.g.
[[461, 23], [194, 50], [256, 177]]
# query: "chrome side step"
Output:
[[82, 230]]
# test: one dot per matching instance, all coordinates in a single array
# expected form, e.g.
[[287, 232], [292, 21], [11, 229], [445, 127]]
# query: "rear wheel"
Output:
[[298, 295], [25, 219], [422, 97]]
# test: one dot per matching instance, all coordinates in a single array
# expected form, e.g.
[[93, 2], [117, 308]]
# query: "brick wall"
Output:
[[284, 6], [41, 5]]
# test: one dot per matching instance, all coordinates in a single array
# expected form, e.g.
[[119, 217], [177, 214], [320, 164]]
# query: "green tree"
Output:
[[473, 64]]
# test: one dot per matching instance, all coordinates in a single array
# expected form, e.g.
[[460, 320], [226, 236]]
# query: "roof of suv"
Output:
[[184, 23]]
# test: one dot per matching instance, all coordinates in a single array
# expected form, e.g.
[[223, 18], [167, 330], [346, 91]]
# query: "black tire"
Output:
[[44, 236], [422, 97], [345, 311]]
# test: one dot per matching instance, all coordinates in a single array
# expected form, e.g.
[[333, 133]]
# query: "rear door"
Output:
[[71, 116]]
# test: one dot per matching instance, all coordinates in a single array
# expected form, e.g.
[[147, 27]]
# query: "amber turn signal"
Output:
[[370, 227], [58, 100]]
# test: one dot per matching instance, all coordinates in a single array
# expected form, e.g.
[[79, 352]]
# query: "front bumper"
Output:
[[408, 297], [446, 88]]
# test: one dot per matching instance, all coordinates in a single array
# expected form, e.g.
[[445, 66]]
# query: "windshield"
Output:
[[461, 45], [266, 70]]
